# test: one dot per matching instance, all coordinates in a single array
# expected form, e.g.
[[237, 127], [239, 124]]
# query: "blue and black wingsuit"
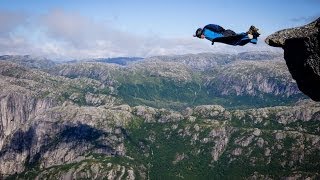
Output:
[[216, 33]]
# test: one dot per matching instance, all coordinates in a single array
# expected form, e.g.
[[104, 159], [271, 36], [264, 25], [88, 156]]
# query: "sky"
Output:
[[112, 28]]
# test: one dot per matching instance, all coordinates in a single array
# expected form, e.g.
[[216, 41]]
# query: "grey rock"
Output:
[[245, 141], [237, 152], [220, 138], [147, 113], [260, 142], [302, 55], [256, 132], [211, 112]]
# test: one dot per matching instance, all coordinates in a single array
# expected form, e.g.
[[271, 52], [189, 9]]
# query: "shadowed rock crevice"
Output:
[[20, 141], [302, 55], [60, 143]]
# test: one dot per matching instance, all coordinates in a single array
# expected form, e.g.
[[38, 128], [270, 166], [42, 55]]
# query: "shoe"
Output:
[[253, 31]]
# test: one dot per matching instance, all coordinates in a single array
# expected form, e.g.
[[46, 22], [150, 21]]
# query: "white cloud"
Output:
[[71, 35]]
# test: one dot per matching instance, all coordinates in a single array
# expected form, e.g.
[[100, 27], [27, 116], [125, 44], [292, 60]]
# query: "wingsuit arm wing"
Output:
[[214, 28]]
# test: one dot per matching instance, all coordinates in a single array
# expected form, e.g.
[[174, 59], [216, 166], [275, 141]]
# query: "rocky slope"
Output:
[[302, 55], [140, 142]]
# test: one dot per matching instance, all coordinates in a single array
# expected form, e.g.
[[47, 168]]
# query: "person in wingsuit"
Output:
[[216, 33]]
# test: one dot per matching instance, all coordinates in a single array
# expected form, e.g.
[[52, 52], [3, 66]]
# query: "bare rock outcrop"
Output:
[[302, 55]]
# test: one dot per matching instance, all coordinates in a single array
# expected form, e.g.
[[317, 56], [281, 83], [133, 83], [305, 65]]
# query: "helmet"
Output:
[[198, 32]]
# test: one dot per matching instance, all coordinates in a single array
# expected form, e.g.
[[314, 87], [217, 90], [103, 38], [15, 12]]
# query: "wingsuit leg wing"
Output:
[[238, 39]]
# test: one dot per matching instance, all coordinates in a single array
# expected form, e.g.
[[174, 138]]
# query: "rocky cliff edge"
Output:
[[302, 55]]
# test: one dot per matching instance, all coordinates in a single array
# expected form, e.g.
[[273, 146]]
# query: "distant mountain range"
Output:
[[210, 58], [172, 117], [119, 60]]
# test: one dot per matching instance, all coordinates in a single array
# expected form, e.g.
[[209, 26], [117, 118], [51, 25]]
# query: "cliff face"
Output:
[[16, 109], [302, 55], [61, 135]]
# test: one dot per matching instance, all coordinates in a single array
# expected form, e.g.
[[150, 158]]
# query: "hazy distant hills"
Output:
[[119, 60], [200, 61], [188, 116], [29, 61], [187, 80], [43, 63]]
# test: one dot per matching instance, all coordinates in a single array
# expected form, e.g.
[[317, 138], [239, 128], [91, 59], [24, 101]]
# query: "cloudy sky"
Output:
[[111, 28]]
